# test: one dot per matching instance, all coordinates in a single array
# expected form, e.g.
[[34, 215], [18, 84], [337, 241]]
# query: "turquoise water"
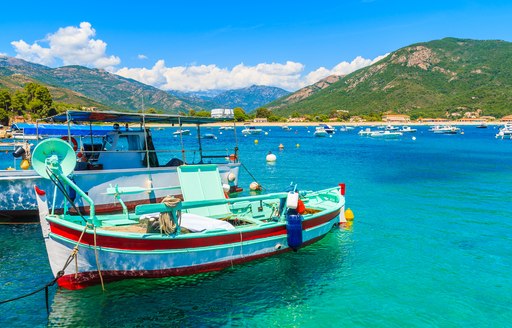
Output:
[[431, 245]]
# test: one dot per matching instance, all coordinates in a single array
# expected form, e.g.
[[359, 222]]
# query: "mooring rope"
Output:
[[98, 260], [59, 274], [252, 176]]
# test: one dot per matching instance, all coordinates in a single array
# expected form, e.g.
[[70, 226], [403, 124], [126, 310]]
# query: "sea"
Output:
[[430, 245]]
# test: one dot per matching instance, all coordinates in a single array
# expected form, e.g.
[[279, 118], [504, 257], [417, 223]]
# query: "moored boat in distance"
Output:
[[365, 132], [249, 129], [226, 127], [407, 129], [203, 232], [209, 136], [386, 134], [320, 132], [505, 132], [328, 128], [184, 132], [286, 128], [445, 129]]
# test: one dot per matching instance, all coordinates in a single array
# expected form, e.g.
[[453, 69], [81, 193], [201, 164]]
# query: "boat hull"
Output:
[[124, 257]]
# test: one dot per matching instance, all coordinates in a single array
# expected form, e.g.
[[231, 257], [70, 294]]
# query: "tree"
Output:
[[5, 100], [4, 117], [263, 112], [18, 101], [239, 114], [203, 113]]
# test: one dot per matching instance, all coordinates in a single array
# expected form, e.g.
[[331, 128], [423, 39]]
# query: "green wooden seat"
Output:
[[202, 182]]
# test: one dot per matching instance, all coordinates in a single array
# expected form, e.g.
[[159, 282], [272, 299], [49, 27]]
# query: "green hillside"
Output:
[[424, 79], [98, 86]]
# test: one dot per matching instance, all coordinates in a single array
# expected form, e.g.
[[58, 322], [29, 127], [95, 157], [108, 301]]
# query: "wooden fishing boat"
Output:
[[204, 231]]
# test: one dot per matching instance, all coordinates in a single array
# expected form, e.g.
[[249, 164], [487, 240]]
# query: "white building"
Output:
[[222, 113]]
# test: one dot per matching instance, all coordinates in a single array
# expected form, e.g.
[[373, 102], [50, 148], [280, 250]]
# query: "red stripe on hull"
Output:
[[179, 243], [85, 279]]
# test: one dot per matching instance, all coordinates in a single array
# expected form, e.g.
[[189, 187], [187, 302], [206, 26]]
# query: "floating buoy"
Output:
[[271, 157], [266, 133], [462, 132], [255, 141], [25, 164], [281, 147], [297, 145], [413, 138], [254, 186], [349, 215]]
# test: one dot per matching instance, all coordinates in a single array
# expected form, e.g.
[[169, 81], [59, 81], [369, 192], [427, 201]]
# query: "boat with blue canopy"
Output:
[[122, 153]]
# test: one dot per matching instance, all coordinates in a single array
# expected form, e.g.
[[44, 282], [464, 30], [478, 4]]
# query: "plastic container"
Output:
[[294, 230]]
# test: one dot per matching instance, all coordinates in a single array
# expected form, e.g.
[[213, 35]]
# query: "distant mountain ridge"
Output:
[[99, 86], [425, 79], [248, 98]]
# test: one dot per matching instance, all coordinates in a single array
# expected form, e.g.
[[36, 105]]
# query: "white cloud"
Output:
[[204, 77], [342, 68], [288, 76], [72, 46]]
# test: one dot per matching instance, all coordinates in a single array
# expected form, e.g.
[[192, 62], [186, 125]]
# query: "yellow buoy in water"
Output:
[[25, 164], [255, 141], [349, 215], [297, 145]]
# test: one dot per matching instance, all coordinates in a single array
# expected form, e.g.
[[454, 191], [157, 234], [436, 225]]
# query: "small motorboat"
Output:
[[201, 232], [183, 132], [505, 132], [407, 129], [328, 128], [391, 128], [226, 128], [386, 134], [445, 129], [209, 136], [365, 132], [482, 125], [320, 132], [249, 129], [286, 128]]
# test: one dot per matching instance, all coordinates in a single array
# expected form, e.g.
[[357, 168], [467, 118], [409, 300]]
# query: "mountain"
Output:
[[424, 79], [247, 98], [98, 86], [308, 91]]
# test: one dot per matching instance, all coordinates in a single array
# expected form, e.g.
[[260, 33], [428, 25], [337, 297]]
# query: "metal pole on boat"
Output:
[[181, 141], [145, 139], [236, 140], [69, 125], [199, 141]]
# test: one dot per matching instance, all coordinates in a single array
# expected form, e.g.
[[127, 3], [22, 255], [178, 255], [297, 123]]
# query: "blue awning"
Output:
[[60, 129]]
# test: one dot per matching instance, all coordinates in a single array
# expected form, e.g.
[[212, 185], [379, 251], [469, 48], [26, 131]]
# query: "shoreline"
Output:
[[354, 124]]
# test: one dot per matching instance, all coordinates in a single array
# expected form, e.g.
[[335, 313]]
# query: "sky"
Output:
[[205, 45]]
